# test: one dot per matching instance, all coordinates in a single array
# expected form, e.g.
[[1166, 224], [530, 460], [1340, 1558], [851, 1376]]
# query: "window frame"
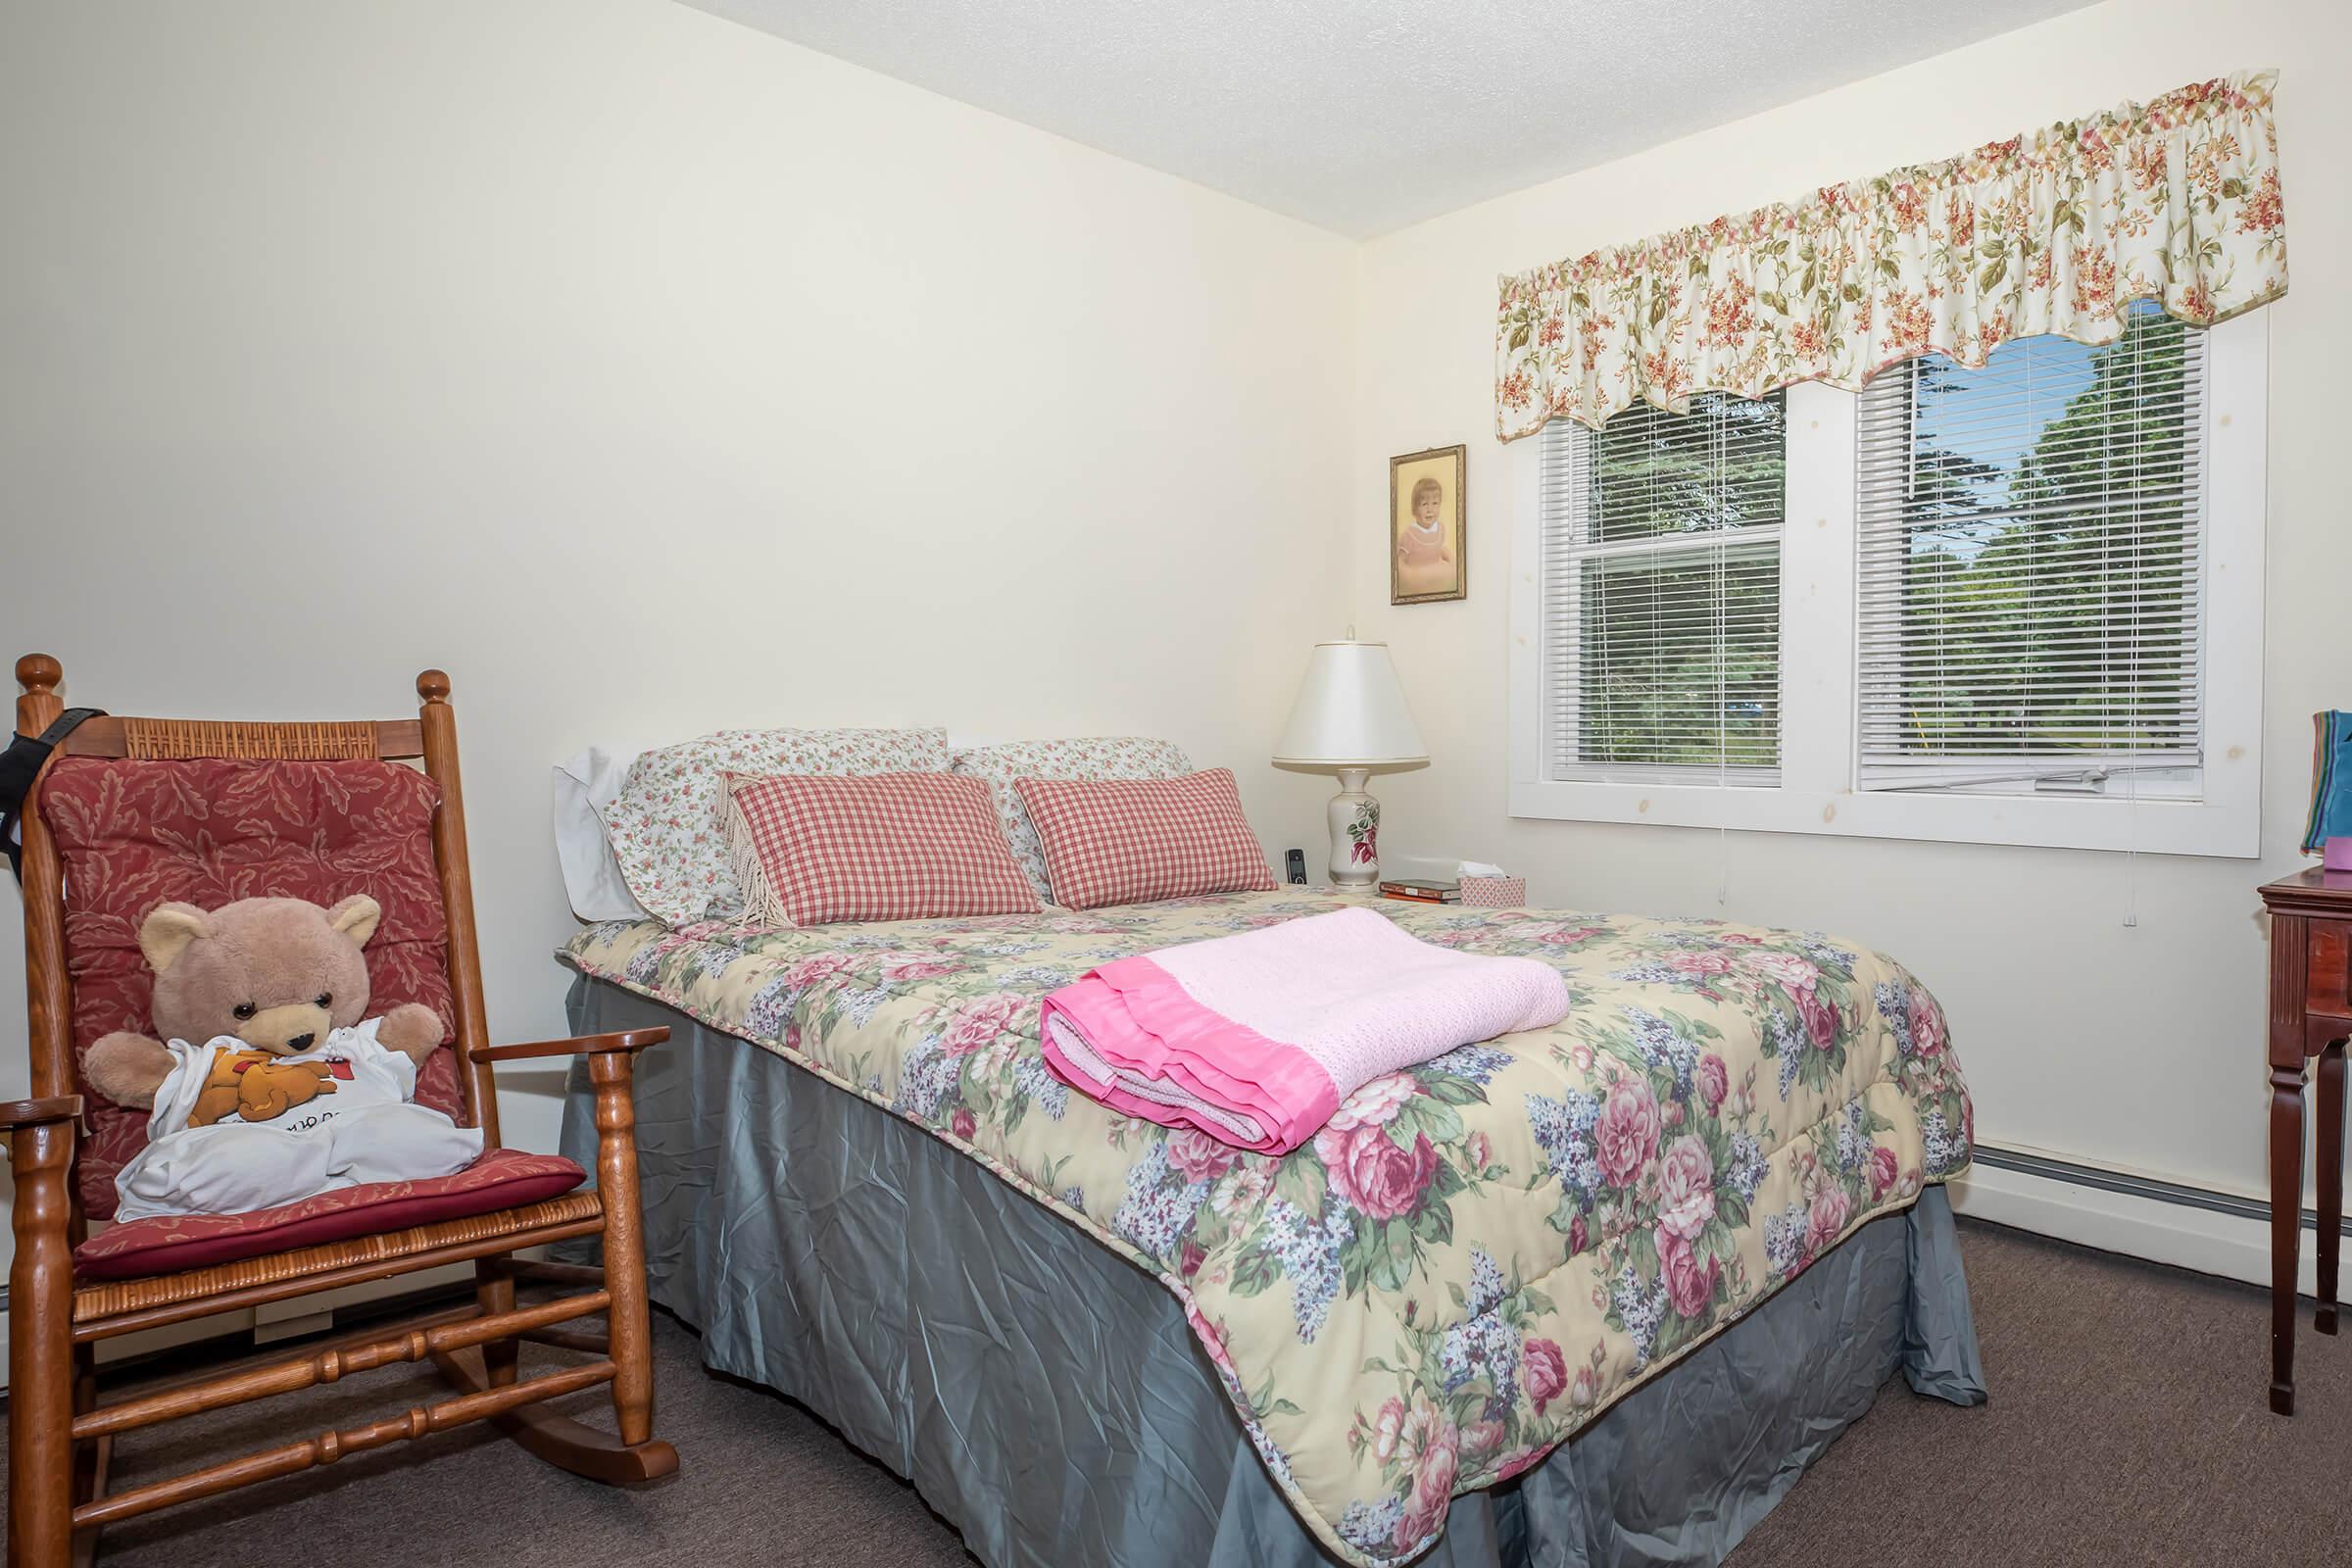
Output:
[[1693, 547], [1819, 749]]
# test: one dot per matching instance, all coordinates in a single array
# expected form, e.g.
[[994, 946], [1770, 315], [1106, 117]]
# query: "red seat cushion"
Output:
[[208, 832], [503, 1178]]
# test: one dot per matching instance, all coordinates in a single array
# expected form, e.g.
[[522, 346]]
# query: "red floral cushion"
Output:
[[1138, 841], [208, 832], [503, 1178]]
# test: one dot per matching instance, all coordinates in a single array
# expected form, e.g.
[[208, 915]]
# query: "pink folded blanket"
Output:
[[1255, 1039]]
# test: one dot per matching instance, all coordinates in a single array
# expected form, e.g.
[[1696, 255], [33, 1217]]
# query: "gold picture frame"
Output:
[[1429, 556]]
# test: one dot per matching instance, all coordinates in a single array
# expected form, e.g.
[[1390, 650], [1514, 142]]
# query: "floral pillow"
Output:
[[1108, 756], [668, 823]]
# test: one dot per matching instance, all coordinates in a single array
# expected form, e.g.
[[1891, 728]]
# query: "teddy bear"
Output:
[[270, 1083]]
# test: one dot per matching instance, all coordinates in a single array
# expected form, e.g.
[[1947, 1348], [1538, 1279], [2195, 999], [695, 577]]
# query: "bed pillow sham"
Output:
[[812, 849], [1097, 757], [669, 824], [1139, 841], [581, 788]]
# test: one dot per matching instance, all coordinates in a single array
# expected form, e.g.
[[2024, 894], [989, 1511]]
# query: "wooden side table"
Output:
[[2311, 1016]]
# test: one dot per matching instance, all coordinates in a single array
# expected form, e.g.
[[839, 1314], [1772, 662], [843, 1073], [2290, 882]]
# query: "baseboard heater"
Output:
[[2148, 1187]]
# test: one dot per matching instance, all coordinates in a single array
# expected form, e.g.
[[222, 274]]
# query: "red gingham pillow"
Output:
[[1135, 841], [874, 847]]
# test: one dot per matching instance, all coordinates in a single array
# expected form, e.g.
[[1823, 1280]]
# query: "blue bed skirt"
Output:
[[1045, 1395]]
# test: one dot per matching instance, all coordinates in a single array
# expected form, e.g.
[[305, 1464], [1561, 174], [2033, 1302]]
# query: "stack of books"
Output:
[[1419, 891], [2328, 829]]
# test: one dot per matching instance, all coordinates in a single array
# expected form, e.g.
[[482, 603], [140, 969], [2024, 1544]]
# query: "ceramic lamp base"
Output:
[[2335, 853], [1355, 832]]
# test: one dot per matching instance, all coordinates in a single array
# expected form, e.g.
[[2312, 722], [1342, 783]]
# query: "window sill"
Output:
[[2226, 824]]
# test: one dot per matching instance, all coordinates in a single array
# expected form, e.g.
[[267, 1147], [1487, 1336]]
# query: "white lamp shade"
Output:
[[1351, 713]]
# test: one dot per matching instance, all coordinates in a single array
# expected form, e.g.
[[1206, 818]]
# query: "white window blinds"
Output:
[[1661, 594], [2029, 562]]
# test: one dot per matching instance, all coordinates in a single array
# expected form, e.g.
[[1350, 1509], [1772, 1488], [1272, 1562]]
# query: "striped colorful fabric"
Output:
[[2330, 781], [1139, 841], [822, 848]]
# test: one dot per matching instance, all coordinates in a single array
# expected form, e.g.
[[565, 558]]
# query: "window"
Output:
[[2031, 541], [1662, 587], [2015, 605]]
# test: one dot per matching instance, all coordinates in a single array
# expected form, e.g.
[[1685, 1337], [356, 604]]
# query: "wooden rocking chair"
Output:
[[59, 1433]]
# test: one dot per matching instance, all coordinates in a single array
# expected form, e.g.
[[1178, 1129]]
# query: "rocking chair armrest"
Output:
[[15, 1113], [629, 1040]]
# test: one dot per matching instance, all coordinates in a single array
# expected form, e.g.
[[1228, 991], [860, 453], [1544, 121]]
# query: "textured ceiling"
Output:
[[1363, 117]]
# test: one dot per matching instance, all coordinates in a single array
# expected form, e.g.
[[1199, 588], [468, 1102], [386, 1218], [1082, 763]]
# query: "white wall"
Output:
[[648, 374], [2140, 1047]]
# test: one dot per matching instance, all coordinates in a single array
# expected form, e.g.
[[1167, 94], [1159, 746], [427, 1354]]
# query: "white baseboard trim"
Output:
[[2234, 1245]]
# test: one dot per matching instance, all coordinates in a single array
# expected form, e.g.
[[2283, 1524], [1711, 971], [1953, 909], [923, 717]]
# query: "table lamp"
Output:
[[1351, 718]]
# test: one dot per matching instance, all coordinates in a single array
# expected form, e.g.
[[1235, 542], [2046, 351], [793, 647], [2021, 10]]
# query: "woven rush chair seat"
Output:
[[573, 1214], [173, 1244]]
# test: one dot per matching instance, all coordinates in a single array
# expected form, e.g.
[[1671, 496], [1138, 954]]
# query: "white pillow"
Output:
[[584, 787], [668, 826], [1103, 757]]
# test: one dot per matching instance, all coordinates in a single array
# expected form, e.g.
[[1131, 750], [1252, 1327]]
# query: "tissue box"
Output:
[[1493, 892]]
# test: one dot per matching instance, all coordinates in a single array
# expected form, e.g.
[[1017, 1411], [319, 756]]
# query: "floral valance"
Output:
[[2052, 232]]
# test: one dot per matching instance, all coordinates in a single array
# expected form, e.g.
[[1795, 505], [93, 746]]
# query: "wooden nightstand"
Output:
[[2311, 1013]]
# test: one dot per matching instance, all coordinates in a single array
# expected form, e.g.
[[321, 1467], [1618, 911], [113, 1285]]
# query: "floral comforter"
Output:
[[1474, 1258]]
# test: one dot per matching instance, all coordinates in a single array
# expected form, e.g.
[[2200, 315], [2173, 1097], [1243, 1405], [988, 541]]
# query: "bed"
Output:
[[1584, 1295]]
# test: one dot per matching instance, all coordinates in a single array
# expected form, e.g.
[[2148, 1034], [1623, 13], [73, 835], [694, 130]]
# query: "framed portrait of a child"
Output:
[[1429, 527]]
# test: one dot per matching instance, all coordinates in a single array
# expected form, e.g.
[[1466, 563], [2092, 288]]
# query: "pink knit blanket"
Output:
[[1255, 1039]]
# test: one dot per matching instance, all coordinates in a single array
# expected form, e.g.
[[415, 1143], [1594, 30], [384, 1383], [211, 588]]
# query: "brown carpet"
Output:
[[2128, 1426]]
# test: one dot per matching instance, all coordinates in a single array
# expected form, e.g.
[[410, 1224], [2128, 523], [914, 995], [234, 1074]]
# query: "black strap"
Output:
[[20, 765]]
